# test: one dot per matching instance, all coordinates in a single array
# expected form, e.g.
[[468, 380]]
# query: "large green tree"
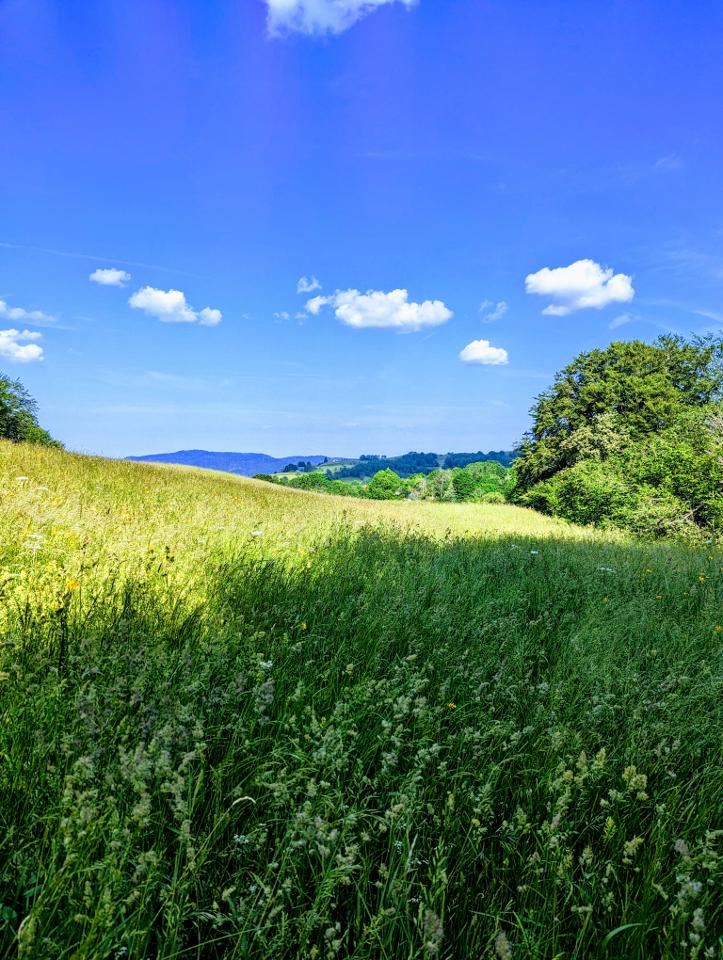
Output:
[[607, 399], [18, 415]]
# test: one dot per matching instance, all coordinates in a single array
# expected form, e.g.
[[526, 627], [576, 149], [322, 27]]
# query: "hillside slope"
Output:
[[242, 721]]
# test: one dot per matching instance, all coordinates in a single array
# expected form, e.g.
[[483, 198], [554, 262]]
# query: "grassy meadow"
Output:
[[249, 722]]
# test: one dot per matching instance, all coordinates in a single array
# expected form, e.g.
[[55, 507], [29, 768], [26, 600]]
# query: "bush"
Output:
[[493, 497]]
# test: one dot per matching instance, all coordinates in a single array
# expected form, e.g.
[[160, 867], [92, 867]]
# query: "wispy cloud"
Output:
[[89, 256], [670, 163], [321, 16], [306, 285], [19, 314], [620, 321], [491, 311]]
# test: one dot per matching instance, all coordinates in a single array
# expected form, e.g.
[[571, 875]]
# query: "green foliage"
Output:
[[319, 482], [452, 460], [237, 721], [488, 481], [404, 465], [385, 485], [411, 464], [607, 398], [18, 415], [627, 437]]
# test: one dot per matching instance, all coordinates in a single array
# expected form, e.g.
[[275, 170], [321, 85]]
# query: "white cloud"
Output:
[[378, 309], [490, 316], [12, 347], [582, 285], [209, 317], [482, 351], [305, 285], [110, 277], [320, 16], [620, 321], [26, 316], [282, 315], [171, 306]]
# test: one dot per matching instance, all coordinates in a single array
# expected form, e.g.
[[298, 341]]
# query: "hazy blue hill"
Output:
[[246, 464]]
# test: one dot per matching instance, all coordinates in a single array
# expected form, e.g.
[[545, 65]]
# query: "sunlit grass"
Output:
[[243, 721]]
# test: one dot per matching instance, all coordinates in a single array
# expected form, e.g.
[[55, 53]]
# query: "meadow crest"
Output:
[[240, 721]]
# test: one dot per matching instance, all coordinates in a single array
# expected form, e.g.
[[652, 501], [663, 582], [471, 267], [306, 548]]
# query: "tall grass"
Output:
[[238, 721]]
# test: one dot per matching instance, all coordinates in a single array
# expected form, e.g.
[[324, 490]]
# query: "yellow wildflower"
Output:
[[72, 584], [452, 705]]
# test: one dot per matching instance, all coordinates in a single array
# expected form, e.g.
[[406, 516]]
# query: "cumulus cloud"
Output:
[[110, 277], [14, 346], [306, 285], [493, 311], [378, 309], [482, 351], [209, 317], [171, 306], [321, 16], [582, 285], [26, 316]]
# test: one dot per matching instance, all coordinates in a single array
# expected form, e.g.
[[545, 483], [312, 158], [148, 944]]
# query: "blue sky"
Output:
[[469, 152]]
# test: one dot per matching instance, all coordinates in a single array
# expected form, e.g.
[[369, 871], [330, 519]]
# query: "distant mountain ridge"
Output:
[[245, 464]]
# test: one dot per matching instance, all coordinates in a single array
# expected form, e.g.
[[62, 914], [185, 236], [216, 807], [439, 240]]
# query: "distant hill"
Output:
[[410, 463], [245, 464]]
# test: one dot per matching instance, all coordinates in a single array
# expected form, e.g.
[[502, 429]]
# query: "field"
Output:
[[248, 722]]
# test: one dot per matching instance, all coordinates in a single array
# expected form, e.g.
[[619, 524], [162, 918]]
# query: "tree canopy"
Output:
[[606, 399], [18, 415], [631, 436]]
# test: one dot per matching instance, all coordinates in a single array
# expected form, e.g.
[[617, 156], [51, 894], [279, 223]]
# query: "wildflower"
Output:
[[717, 628], [433, 933], [257, 533], [701, 578], [607, 569], [689, 889], [630, 848], [503, 947], [266, 664], [452, 705], [72, 585], [681, 847], [302, 625]]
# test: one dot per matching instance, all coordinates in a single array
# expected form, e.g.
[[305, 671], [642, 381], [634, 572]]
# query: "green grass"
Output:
[[249, 722]]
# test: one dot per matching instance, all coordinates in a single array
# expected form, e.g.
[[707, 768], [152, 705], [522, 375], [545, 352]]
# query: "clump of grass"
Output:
[[242, 722]]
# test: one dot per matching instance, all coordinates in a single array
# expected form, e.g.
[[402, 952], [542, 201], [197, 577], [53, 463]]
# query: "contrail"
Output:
[[90, 256]]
